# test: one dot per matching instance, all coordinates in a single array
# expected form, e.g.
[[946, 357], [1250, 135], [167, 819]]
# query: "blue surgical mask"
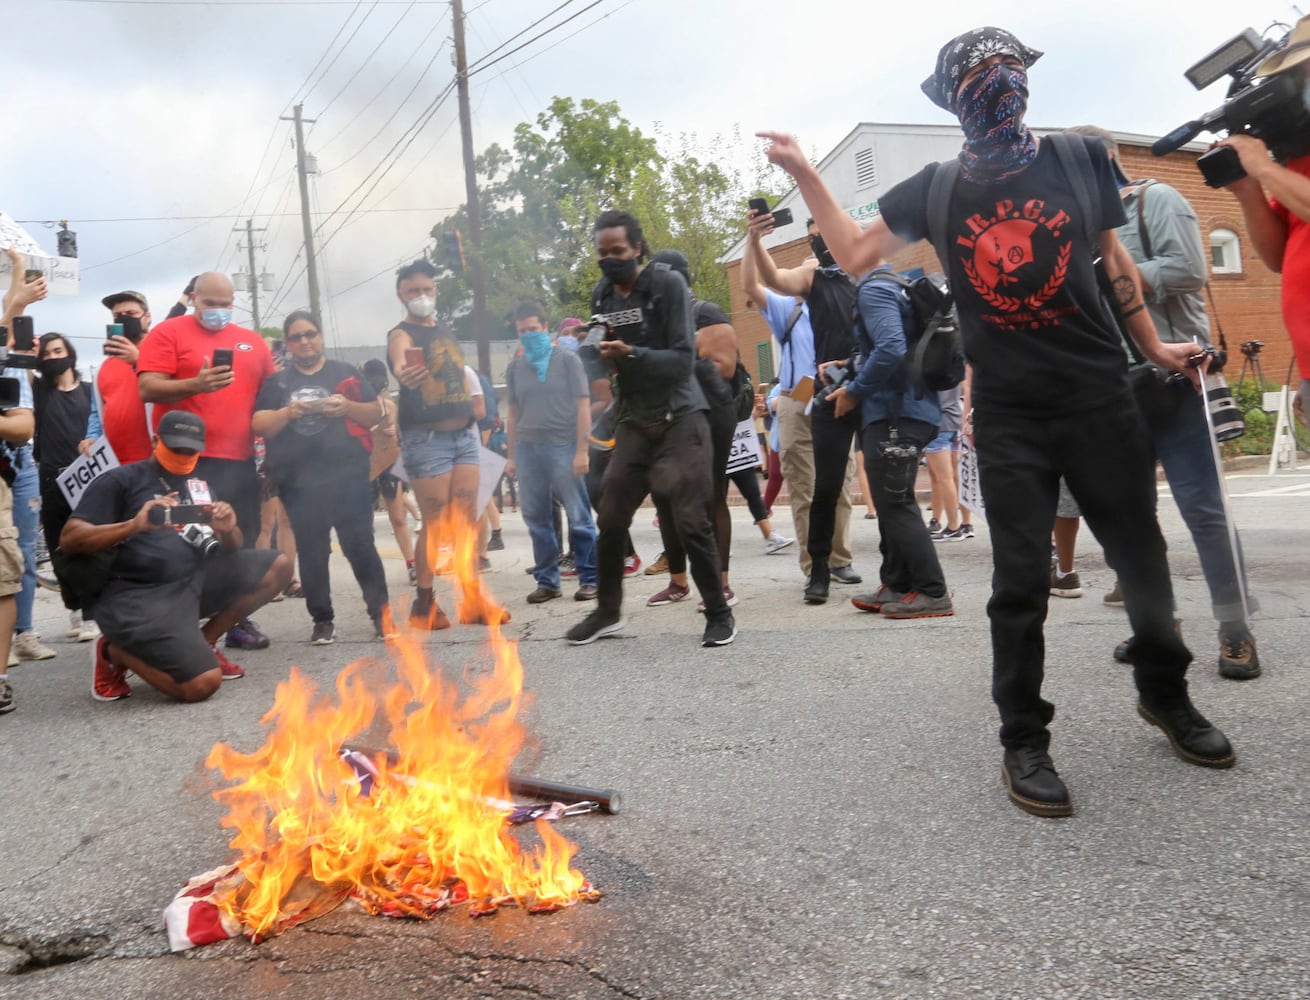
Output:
[[215, 319], [567, 341]]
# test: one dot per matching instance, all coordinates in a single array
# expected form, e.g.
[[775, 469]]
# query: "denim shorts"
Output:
[[944, 441], [429, 453]]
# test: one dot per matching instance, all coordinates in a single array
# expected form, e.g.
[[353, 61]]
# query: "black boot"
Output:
[[816, 591]]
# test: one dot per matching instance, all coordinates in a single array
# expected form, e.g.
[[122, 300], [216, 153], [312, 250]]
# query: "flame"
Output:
[[425, 836]]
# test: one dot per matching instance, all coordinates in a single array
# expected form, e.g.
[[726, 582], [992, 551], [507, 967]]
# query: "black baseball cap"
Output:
[[109, 301], [182, 430]]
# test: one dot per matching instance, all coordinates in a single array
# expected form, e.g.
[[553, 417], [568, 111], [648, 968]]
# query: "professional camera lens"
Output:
[[1224, 414]]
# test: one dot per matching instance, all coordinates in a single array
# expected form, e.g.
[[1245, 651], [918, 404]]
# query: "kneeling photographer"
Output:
[[897, 424], [159, 553]]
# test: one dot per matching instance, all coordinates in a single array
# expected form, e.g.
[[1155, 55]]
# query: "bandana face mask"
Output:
[[997, 142]]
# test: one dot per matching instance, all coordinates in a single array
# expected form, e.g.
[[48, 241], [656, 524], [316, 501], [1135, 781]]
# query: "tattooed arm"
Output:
[[1126, 283]]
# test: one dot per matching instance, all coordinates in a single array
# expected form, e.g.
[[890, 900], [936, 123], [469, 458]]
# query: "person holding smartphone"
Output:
[[205, 364], [122, 410], [439, 405]]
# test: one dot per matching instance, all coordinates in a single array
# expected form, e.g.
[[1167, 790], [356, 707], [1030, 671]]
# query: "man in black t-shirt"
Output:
[[1049, 386], [164, 577], [315, 416]]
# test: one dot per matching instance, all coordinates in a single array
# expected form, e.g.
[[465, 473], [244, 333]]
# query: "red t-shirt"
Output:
[[123, 414], [1296, 275], [176, 347]]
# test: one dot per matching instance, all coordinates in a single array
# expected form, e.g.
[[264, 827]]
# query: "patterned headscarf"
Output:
[[966, 51]]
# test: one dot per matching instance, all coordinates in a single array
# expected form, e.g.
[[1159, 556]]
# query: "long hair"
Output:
[[50, 338]]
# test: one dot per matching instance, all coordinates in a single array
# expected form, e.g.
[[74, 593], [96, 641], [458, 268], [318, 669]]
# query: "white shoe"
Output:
[[89, 630], [775, 543], [28, 646], [74, 624], [13, 657]]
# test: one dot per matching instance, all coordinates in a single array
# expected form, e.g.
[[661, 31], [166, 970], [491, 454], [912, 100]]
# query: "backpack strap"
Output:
[[1142, 233], [940, 193], [1071, 153]]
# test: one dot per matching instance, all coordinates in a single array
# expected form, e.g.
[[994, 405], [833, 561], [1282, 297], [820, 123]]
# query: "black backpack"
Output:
[[831, 301], [934, 353]]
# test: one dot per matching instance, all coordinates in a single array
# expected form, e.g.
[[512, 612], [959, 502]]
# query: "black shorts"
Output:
[[157, 621], [388, 484]]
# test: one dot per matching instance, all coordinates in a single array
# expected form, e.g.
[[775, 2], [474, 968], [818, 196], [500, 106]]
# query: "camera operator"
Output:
[[164, 577], [662, 439], [1164, 240], [16, 427], [122, 411]]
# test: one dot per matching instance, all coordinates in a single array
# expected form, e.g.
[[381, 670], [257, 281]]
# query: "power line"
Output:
[[521, 33], [225, 215], [479, 66], [368, 58], [341, 51]]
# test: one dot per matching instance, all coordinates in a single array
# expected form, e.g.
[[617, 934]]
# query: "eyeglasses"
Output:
[[296, 338]]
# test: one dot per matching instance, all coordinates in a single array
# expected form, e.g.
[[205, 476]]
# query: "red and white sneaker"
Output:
[[231, 671], [631, 565], [108, 680]]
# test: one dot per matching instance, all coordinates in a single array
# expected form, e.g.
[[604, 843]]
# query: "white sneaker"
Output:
[[28, 646], [74, 624], [13, 657], [775, 543], [89, 630]]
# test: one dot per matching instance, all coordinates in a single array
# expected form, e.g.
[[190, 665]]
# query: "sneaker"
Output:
[[108, 681], [728, 596], [947, 535], [324, 634], [631, 564], [13, 657], [595, 626], [587, 592], [875, 601], [425, 614], [484, 564], [934, 526], [917, 605], [1190, 734], [245, 634], [28, 646], [74, 625], [1034, 784], [543, 594], [845, 574], [230, 671], [669, 595], [966, 530], [89, 630], [1238, 660], [1114, 598], [567, 567], [495, 543], [659, 566], [1065, 586], [720, 630], [775, 543], [6, 698]]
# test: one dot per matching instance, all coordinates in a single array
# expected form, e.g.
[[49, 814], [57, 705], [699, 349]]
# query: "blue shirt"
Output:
[[885, 310], [798, 354]]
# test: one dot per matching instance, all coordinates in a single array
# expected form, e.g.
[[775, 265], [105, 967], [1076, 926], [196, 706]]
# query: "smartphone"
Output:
[[113, 330], [31, 274], [183, 513], [781, 217], [761, 205], [414, 357], [222, 356], [24, 334]]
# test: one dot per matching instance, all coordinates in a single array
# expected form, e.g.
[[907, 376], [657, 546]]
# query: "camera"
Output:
[[1272, 110], [597, 330], [839, 376], [183, 513], [900, 467], [1252, 347], [201, 537], [1225, 416]]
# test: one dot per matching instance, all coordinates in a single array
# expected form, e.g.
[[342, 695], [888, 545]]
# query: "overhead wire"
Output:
[[368, 58], [519, 34], [482, 64]]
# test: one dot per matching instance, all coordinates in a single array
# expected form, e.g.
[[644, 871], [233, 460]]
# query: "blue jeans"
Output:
[[546, 470], [1182, 442], [27, 518]]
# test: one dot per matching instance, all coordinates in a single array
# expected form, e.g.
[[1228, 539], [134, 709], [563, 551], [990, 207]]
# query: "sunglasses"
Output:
[[296, 338]]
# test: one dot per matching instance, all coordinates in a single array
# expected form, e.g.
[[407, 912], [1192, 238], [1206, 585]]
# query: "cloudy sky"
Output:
[[153, 125]]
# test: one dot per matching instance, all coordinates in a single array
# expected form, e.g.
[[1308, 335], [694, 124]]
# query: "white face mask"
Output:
[[422, 307]]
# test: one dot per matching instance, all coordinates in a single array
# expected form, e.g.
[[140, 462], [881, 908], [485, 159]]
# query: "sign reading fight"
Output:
[[745, 452], [74, 480]]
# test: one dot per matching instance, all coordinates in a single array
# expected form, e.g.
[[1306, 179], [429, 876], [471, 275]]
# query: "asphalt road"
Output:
[[814, 811]]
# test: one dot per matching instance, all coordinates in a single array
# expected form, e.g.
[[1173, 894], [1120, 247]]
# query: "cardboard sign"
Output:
[[74, 480], [745, 453], [61, 273], [970, 488]]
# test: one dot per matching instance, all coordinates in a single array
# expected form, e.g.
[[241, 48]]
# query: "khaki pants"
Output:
[[796, 456]]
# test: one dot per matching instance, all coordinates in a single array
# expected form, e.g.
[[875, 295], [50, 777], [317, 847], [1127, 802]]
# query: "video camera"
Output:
[[9, 387], [1272, 110], [597, 330]]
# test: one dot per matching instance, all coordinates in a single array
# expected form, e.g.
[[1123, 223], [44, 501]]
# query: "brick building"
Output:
[[875, 157]]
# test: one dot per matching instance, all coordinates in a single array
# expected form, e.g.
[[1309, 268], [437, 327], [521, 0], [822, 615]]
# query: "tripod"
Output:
[[1251, 363]]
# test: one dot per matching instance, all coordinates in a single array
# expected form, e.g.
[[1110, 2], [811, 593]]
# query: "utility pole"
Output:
[[254, 278], [477, 277], [311, 263]]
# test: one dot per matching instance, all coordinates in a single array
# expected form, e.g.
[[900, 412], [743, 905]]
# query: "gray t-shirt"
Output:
[[547, 411]]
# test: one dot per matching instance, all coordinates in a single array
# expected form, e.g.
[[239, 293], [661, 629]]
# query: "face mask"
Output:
[[175, 462], [52, 368], [997, 143], [567, 341], [422, 307], [820, 250], [536, 350], [620, 272], [214, 320]]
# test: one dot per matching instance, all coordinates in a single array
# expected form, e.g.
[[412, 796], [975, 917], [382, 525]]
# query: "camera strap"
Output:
[[786, 337]]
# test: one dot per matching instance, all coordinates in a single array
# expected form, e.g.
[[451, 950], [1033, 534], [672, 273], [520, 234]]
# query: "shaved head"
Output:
[[213, 291]]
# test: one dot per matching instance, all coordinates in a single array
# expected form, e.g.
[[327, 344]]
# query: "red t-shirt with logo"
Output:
[[177, 348], [122, 412], [1296, 275]]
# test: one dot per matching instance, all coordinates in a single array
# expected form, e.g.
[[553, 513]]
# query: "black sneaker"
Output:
[[495, 543], [1034, 784], [1190, 734], [324, 634], [1238, 660], [720, 630], [245, 634], [595, 626]]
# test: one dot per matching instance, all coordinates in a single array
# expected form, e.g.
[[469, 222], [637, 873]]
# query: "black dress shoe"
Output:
[[1190, 733], [816, 590], [1033, 783]]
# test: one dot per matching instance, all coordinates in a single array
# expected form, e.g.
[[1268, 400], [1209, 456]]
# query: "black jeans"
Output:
[[346, 506], [672, 463], [909, 557], [1105, 456], [598, 462], [832, 453], [54, 515], [723, 425], [235, 481], [748, 484]]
